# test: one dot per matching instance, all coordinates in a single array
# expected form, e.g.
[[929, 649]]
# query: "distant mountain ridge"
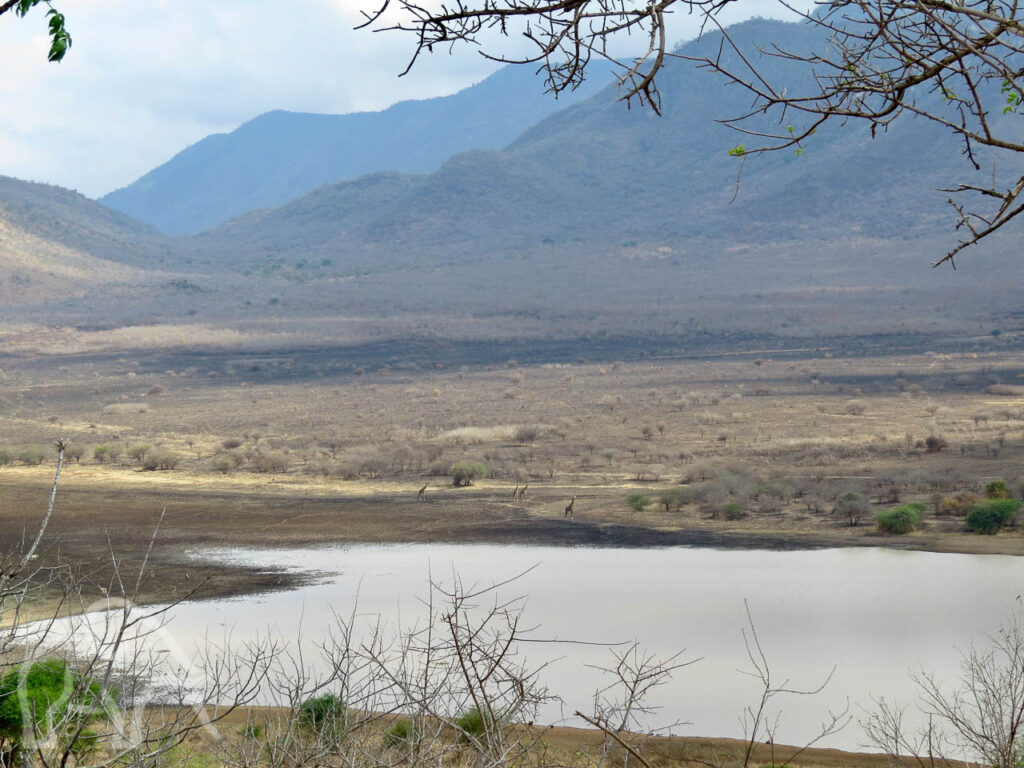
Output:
[[597, 175], [280, 156]]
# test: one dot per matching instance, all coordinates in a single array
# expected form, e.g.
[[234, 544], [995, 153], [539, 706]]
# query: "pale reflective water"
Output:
[[873, 614]]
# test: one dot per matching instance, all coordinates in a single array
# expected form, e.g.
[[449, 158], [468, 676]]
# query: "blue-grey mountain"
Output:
[[280, 155]]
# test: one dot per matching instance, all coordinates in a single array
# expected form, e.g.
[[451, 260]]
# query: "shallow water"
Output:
[[873, 614]]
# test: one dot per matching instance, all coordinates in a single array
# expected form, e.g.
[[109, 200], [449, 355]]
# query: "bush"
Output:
[[465, 472], [139, 451], [400, 734], [853, 507], [472, 724], [997, 489], [271, 461], [935, 443], [959, 504], [901, 520], [161, 459], [674, 498], [989, 518], [732, 510], [230, 443], [100, 453], [638, 502], [32, 456], [40, 690], [223, 463], [323, 713], [6, 456]]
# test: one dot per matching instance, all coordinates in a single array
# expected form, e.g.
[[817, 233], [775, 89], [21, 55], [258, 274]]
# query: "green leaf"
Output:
[[738, 151]]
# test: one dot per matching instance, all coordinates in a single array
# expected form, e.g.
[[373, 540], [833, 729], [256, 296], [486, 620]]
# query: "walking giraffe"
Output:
[[422, 495], [569, 506]]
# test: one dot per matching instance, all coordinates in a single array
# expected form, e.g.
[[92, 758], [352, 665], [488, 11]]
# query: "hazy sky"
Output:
[[146, 78]]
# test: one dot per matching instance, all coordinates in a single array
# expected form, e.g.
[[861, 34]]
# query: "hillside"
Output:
[[56, 244], [280, 155], [598, 177], [73, 221]]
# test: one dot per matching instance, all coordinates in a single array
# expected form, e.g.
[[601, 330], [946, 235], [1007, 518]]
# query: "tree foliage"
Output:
[[60, 39]]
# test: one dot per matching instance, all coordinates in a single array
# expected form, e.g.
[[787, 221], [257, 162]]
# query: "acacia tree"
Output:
[[954, 62]]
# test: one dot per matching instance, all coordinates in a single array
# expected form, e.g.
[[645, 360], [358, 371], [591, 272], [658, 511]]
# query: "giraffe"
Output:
[[515, 493], [422, 495], [522, 492], [568, 508]]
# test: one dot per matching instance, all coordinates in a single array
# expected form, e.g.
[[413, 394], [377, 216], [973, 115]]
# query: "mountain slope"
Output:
[[55, 243], [280, 155], [75, 222], [597, 175]]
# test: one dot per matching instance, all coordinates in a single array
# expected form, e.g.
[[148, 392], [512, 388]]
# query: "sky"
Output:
[[146, 78]]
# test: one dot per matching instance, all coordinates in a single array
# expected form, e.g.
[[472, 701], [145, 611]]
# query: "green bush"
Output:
[[989, 518], [323, 713], [997, 489], [50, 693], [472, 724], [900, 520], [637, 502], [465, 472], [6, 456], [732, 510], [403, 732]]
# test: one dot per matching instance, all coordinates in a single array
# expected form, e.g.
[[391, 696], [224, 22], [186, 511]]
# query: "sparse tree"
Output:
[[853, 507], [982, 718]]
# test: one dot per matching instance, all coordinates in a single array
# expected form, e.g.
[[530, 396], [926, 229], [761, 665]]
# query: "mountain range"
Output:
[[596, 218], [280, 156]]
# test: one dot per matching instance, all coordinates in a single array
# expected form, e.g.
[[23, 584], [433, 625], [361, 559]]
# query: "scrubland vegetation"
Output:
[[804, 446]]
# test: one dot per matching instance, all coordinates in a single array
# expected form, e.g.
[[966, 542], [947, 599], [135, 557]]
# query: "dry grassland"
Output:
[[317, 457]]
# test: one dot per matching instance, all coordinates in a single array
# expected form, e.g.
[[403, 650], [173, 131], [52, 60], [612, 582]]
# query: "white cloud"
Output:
[[146, 78]]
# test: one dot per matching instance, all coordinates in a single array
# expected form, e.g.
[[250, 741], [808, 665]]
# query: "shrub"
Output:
[[403, 732], [989, 518], [271, 461], [959, 504], [997, 489], [674, 498], [223, 463], [934, 443], [732, 510], [32, 456], [40, 690], [139, 451], [638, 502], [853, 507], [101, 453], [900, 520], [472, 724], [465, 472], [6, 456], [231, 442], [525, 435], [322, 713], [161, 459]]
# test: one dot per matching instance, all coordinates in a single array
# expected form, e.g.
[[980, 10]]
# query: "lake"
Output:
[[873, 614]]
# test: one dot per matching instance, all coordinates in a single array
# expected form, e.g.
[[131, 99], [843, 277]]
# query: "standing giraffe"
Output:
[[422, 495], [568, 508], [515, 493], [522, 492]]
